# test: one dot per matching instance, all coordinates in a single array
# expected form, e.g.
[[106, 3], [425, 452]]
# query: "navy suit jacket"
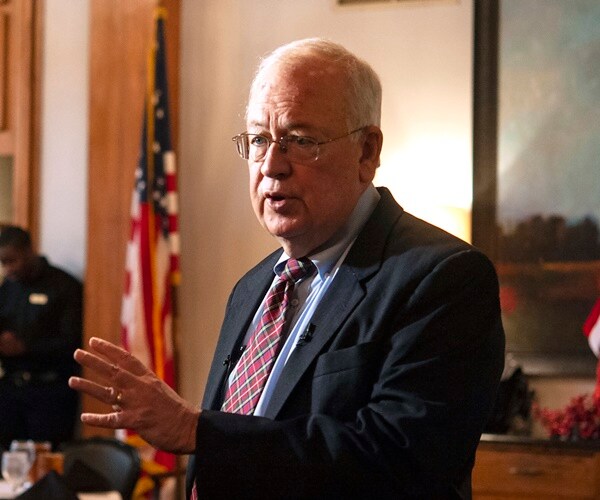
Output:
[[389, 396]]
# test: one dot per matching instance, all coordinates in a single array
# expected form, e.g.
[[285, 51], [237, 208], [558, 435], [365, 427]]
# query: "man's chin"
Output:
[[286, 238], [283, 235], [282, 227]]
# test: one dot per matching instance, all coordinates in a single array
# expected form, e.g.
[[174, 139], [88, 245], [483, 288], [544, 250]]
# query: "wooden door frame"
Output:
[[21, 139], [120, 36]]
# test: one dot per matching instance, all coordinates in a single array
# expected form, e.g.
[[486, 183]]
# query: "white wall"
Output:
[[422, 51], [64, 133]]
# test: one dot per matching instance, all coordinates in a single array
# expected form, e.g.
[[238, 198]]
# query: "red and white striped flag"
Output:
[[591, 328], [152, 265]]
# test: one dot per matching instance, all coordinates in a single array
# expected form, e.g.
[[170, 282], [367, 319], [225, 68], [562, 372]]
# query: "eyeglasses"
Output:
[[297, 148]]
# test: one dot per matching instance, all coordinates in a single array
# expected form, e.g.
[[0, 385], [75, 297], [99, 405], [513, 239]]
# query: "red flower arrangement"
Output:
[[580, 419]]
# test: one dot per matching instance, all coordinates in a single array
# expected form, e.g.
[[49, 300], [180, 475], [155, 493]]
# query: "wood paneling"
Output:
[[4, 71], [20, 35], [7, 60], [120, 36]]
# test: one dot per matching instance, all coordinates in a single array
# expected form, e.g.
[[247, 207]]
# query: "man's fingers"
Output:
[[100, 366], [116, 374], [108, 395], [102, 393], [108, 420], [118, 355]]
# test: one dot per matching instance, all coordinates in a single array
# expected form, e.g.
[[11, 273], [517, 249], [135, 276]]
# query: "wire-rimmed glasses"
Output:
[[298, 148]]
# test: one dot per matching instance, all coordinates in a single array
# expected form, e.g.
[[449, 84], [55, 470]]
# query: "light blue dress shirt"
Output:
[[309, 291]]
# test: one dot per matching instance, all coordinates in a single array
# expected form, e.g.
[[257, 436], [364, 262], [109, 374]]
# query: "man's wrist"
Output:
[[188, 428]]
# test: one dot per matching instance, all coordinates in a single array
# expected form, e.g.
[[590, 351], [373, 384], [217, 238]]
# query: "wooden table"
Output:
[[510, 467]]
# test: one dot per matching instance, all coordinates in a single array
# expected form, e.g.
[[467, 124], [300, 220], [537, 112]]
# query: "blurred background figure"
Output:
[[40, 327]]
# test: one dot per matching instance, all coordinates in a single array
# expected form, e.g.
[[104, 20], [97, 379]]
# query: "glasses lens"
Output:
[[254, 147], [303, 148], [258, 146], [241, 143]]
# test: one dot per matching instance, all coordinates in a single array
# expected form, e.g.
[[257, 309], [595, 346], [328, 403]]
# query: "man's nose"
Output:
[[276, 163]]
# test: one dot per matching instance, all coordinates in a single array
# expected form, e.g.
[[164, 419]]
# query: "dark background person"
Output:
[[40, 327], [389, 343]]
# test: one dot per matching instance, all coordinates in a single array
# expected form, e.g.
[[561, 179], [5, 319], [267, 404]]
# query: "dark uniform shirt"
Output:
[[45, 312]]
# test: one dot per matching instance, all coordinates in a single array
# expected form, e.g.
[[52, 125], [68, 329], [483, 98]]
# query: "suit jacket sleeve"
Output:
[[392, 406]]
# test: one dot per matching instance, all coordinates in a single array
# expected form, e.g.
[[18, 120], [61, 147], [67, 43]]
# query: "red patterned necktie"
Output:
[[254, 367]]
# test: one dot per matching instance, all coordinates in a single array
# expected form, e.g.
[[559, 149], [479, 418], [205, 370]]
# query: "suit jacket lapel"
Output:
[[240, 310], [345, 293]]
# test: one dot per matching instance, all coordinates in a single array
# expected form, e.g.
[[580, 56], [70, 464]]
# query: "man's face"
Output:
[[304, 204], [16, 262]]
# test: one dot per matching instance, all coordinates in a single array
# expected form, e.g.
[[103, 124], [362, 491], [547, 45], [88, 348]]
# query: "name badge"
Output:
[[38, 299]]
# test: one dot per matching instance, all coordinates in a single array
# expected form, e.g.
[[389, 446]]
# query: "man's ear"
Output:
[[372, 141]]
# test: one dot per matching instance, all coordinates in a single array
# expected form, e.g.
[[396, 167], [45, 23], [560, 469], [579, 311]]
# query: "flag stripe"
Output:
[[591, 328], [592, 319]]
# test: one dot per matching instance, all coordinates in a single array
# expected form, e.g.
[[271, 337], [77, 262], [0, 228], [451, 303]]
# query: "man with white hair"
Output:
[[359, 360]]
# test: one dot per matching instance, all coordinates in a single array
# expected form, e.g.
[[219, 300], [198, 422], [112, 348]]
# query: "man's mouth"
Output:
[[277, 201]]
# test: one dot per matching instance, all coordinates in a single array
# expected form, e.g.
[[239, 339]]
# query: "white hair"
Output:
[[362, 89]]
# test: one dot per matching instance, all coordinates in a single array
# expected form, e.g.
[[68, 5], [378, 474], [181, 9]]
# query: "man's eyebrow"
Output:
[[300, 126]]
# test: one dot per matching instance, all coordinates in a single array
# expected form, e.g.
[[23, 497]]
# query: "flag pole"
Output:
[[157, 330]]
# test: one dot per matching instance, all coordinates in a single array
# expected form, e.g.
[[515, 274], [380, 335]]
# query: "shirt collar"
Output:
[[328, 255]]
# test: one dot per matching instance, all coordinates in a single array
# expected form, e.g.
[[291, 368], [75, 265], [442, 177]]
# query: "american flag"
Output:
[[152, 262]]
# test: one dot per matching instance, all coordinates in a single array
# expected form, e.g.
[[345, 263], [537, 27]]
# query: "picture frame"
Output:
[[536, 185], [344, 3]]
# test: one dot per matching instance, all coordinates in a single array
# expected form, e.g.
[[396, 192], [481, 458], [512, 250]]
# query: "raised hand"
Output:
[[140, 400]]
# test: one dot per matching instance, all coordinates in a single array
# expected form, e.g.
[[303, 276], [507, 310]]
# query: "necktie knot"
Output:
[[296, 269]]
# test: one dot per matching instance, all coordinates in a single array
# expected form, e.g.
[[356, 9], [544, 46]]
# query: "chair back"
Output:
[[115, 463]]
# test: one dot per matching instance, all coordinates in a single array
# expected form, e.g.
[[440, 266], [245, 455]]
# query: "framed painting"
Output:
[[536, 173]]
